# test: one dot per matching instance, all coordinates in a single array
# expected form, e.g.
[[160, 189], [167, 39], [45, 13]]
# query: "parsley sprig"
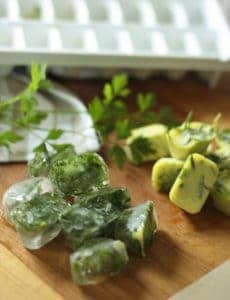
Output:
[[111, 113], [21, 111], [111, 116]]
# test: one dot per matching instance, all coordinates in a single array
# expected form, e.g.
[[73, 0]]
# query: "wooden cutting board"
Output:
[[185, 248]]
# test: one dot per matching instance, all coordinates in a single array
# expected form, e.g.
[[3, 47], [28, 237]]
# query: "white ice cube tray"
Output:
[[145, 34]]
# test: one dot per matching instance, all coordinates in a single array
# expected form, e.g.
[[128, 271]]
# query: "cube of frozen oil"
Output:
[[98, 260], [25, 191], [221, 190], [37, 221], [193, 137], [155, 136], [193, 184], [165, 172], [223, 139], [136, 227]]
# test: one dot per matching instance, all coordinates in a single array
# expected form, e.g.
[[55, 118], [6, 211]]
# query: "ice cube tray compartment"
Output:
[[126, 33], [98, 10], [36, 36], [3, 9], [77, 39], [30, 9], [63, 12]]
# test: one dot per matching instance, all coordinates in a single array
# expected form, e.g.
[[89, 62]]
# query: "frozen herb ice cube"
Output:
[[193, 184], [37, 220], [189, 138], [106, 198], [79, 174], [221, 190], [97, 260], [25, 191], [164, 173], [80, 224], [155, 135], [109, 202], [136, 227], [40, 164]]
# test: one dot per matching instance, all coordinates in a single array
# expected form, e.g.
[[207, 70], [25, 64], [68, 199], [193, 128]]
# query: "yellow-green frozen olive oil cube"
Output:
[[223, 139], [221, 192], [97, 260], [192, 186], [156, 136], [193, 138], [165, 172]]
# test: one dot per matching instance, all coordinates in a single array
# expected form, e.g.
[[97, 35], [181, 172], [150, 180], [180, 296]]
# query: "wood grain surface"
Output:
[[185, 247]]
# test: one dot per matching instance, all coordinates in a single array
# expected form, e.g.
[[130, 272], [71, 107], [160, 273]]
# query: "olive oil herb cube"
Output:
[[25, 191], [193, 184], [191, 138], [37, 220], [223, 139], [79, 174], [155, 136], [221, 191], [164, 173], [98, 260], [136, 227]]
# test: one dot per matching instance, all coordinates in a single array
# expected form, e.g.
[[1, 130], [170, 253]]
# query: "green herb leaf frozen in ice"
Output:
[[106, 198], [80, 224], [79, 174], [25, 191], [136, 227], [97, 260], [94, 215], [40, 164], [37, 220], [109, 202]]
